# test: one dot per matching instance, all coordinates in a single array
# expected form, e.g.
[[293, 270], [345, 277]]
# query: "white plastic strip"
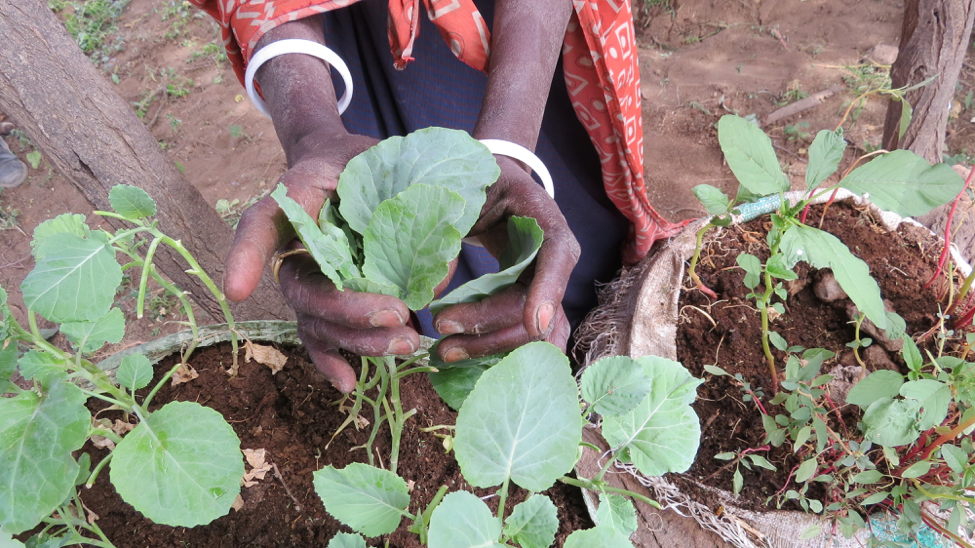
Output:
[[295, 45], [522, 154]]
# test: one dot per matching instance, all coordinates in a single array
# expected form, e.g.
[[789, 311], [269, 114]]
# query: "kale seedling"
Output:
[[179, 465], [404, 207], [522, 424]]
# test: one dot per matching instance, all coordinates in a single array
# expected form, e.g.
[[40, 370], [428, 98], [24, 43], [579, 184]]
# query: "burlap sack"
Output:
[[638, 316]]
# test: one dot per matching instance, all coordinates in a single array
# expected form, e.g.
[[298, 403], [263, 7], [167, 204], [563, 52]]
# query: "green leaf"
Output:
[[907, 112], [877, 385], [434, 156], [663, 433], [752, 267], [132, 202], [410, 241], [823, 250], [717, 371], [42, 366], [533, 523], [806, 470], [825, 155], [90, 336], [737, 482], [74, 281], [347, 540], [955, 457], [777, 269], [38, 434], [34, 158], [135, 372], [524, 240], [891, 423], [715, 201], [615, 385], [7, 540], [725, 456], [917, 470], [455, 384], [8, 364], [463, 521], [597, 537], [181, 466], [370, 500], [759, 460], [905, 183], [777, 341], [868, 477], [896, 326], [71, 223], [521, 421], [617, 512], [911, 354], [328, 245], [934, 397], [750, 156], [875, 498]]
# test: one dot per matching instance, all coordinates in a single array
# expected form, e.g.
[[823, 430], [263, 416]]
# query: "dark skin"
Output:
[[298, 90]]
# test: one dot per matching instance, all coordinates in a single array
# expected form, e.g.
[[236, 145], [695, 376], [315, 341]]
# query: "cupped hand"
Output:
[[328, 319], [530, 309]]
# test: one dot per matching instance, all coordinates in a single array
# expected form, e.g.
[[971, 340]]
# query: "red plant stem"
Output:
[[835, 410], [758, 402], [826, 207], [940, 441], [944, 252], [919, 446], [942, 531], [805, 210], [786, 484], [964, 319]]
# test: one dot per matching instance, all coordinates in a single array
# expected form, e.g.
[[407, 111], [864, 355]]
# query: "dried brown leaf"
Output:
[[265, 355], [184, 373]]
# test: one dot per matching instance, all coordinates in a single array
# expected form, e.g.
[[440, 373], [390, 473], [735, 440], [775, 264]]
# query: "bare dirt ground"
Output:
[[700, 59]]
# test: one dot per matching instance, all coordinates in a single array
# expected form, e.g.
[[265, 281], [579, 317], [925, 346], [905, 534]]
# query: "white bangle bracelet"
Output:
[[522, 154], [295, 45]]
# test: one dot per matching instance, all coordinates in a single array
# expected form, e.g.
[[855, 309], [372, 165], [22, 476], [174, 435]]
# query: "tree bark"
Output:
[[934, 39], [96, 141]]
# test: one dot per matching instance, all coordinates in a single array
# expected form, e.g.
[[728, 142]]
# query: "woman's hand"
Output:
[[328, 319], [530, 310]]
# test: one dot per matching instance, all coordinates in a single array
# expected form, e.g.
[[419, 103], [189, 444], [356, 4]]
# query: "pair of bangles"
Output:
[[308, 47]]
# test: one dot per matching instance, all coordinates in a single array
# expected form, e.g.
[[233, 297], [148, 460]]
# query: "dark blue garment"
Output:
[[437, 89]]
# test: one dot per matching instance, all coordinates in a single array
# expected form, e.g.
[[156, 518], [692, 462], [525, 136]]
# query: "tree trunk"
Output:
[[96, 141], [934, 39]]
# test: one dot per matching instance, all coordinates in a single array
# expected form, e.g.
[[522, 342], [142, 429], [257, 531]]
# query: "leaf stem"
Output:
[[97, 470], [197, 270], [503, 497], [602, 487], [140, 302], [763, 311], [162, 381], [605, 468]]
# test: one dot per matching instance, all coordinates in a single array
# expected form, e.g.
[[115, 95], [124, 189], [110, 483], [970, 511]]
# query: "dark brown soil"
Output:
[[293, 415], [900, 266]]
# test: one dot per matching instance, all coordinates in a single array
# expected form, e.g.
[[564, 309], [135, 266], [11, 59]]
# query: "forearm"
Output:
[[527, 41], [298, 89]]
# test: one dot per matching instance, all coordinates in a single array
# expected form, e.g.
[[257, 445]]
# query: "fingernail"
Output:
[[400, 346], [455, 354], [388, 317], [543, 317], [448, 327], [343, 389]]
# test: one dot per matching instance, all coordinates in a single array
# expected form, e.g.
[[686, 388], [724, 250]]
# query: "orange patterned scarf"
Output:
[[601, 73]]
